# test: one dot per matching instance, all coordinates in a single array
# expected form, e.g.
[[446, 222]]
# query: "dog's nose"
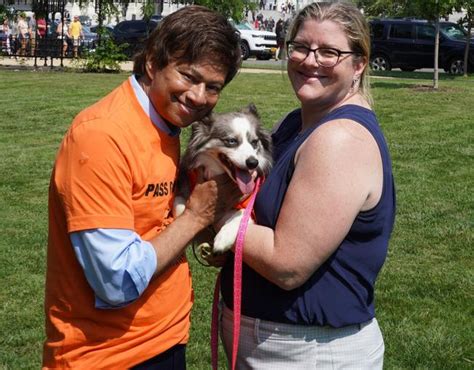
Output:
[[251, 163]]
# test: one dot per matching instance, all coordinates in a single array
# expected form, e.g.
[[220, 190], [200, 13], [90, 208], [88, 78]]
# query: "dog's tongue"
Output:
[[244, 181]]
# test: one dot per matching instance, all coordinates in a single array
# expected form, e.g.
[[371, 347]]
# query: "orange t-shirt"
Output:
[[114, 169]]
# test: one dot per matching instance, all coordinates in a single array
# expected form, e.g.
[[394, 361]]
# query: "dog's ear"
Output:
[[266, 143], [200, 133], [252, 109], [266, 139], [209, 119], [204, 125]]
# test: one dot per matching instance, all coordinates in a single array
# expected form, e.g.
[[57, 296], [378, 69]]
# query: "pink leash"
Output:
[[239, 248]]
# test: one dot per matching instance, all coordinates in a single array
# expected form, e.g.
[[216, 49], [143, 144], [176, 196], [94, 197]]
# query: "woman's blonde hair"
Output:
[[354, 25]]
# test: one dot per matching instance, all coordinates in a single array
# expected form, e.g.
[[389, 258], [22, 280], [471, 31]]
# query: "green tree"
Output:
[[230, 8], [5, 12], [148, 9]]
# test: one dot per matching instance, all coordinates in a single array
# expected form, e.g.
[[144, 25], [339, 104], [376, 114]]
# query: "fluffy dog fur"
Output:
[[232, 143]]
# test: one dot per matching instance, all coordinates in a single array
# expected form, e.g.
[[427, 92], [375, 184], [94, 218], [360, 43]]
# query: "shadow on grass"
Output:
[[416, 87], [392, 85], [414, 75]]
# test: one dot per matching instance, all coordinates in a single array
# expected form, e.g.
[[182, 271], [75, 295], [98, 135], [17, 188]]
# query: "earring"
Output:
[[355, 84]]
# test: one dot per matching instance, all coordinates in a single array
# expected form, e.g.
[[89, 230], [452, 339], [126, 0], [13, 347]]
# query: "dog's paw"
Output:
[[223, 241], [179, 206], [227, 235]]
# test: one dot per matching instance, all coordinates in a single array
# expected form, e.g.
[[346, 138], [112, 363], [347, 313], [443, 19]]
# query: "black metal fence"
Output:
[[50, 46]]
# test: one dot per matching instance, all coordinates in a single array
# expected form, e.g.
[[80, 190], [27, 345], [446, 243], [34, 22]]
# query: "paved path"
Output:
[[28, 63]]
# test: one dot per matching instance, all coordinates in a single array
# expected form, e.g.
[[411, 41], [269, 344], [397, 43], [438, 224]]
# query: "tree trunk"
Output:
[[436, 72], [466, 50]]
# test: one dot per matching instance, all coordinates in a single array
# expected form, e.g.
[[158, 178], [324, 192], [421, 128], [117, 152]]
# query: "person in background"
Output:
[[324, 214], [41, 27], [41, 33], [62, 32], [32, 29], [23, 33], [280, 35], [118, 285], [75, 32], [7, 32], [271, 24]]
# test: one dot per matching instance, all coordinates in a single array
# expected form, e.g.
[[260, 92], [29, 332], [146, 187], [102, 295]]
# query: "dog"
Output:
[[234, 143]]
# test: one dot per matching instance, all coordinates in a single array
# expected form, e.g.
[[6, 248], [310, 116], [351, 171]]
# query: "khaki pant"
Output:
[[267, 345]]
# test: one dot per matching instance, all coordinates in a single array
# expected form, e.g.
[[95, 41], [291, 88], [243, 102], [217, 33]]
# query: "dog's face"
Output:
[[234, 143]]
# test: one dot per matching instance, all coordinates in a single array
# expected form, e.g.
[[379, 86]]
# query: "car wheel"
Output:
[[380, 63], [407, 69], [264, 57], [244, 47], [456, 66]]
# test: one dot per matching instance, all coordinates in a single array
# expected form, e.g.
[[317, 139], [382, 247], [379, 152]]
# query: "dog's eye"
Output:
[[230, 142], [254, 143]]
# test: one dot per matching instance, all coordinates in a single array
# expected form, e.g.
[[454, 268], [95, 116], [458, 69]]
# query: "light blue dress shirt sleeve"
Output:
[[117, 263]]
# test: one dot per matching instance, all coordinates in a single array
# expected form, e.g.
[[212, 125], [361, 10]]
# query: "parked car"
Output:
[[409, 44], [107, 28], [89, 39], [261, 44], [156, 18], [133, 33], [85, 20]]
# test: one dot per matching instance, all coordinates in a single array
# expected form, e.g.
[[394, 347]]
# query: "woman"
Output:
[[7, 33], [62, 32], [23, 33], [324, 214]]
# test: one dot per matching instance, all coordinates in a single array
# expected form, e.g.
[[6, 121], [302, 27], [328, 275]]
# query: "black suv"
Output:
[[409, 44], [134, 33]]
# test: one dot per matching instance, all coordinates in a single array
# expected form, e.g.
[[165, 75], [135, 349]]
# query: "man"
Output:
[[32, 33], [118, 286], [75, 32]]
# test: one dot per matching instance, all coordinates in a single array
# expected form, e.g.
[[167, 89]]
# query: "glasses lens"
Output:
[[297, 52], [327, 57]]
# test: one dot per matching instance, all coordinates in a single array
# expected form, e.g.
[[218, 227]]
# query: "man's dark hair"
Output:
[[192, 34]]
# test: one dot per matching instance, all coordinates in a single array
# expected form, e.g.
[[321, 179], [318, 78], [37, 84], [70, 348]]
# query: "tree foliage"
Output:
[[230, 8], [427, 9], [5, 13]]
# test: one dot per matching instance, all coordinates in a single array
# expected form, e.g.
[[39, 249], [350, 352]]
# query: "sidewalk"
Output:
[[28, 63]]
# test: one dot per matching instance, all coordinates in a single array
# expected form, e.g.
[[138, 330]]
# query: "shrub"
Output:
[[106, 57]]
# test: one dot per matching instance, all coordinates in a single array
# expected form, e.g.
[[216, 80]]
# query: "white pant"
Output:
[[268, 345]]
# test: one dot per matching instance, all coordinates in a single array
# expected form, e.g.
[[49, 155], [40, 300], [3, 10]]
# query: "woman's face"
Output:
[[317, 85], [183, 93]]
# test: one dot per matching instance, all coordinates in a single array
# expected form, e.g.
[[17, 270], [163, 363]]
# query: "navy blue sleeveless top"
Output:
[[341, 291]]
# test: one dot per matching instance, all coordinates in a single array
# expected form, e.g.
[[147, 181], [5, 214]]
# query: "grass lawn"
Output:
[[425, 291]]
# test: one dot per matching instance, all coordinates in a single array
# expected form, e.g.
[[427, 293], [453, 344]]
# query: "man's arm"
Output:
[[117, 263], [208, 203]]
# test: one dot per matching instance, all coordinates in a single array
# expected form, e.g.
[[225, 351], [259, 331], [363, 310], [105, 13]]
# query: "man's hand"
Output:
[[211, 199]]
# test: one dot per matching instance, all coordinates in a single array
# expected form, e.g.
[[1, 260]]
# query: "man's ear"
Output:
[[150, 70]]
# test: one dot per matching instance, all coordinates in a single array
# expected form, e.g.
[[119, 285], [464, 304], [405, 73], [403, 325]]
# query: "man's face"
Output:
[[183, 93]]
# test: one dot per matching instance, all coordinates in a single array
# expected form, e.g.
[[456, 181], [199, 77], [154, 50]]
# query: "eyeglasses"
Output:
[[326, 57]]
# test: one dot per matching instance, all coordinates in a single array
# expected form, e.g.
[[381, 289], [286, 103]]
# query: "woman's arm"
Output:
[[338, 173]]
